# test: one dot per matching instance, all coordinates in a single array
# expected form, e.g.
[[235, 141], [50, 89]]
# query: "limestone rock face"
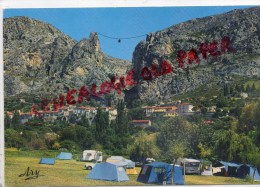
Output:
[[39, 59], [242, 27]]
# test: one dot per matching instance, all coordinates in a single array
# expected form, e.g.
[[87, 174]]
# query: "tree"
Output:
[[13, 139], [203, 141], [204, 110], [69, 145], [16, 119], [78, 134], [246, 146], [204, 151], [248, 88], [249, 119], [222, 102], [102, 123], [226, 90], [143, 147], [50, 138], [237, 88], [176, 131], [226, 140], [253, 87], [136, 113], [254, 159], [120, 127], [121, 122], [8, 121], [236, 111], [83, 121], [176, 150], [242, 88], [38, 144]]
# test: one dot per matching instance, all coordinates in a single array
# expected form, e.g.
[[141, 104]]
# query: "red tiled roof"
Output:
[[26, 113], [141, 121], [208, 121], [160, 107], [84, 107], [50, 112], [9, 113], [185, 104]]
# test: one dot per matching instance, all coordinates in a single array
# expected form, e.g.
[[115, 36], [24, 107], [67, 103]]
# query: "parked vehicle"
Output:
[[91, 157], [145, 161], [192, 166]]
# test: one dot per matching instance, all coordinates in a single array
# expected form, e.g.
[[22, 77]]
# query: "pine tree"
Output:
[[102, 124], [7, 122], [226, 90], [121, 128], [16, 118], [83, 121], [242, 89], [248, 88], [253, 87], [237, 88]]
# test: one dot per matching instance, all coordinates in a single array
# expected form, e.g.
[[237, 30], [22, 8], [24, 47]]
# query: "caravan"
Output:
[[92, 157], [192, 166]]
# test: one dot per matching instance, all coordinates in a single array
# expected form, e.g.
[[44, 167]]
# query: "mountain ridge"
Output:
[[40, 59], [241, 26]]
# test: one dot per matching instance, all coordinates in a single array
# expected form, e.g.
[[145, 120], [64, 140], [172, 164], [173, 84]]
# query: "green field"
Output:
[[72, 172]]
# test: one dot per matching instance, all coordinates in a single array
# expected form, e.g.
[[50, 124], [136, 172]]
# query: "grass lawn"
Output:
[[72, 172]]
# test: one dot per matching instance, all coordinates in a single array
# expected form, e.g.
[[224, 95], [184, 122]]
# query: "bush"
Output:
[[249, 179], [38, 144], [69, 145], [25, 149]]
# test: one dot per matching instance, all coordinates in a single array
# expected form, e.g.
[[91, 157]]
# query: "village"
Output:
[[149, 112]]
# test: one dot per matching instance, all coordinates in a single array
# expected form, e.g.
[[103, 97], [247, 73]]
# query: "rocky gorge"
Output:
[[41, 60]]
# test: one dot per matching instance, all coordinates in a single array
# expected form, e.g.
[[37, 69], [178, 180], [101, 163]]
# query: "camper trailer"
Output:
[[91, 157], [192, 166]]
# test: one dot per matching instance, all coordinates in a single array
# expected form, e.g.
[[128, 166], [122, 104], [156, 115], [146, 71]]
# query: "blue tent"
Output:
[[231, 168], [108, 171], [158, 172], [50, 161], [247, 170], [64, 156], [230, 164], [113, 159]]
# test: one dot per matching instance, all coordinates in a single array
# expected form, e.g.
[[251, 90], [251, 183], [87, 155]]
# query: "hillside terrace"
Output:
[[66, 112]]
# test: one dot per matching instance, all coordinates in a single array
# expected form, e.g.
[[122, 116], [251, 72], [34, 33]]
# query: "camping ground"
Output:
[[72, 172]]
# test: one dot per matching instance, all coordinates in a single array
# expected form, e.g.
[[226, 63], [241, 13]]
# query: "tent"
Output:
[[112, 159], [158, 172], [108, 171], [247, 170], [50, 161], [64, 156], [129, 164], [131, 171], [226, 168]]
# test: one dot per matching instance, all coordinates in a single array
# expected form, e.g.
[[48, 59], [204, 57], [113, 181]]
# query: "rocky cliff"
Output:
[[242, 27], [39, 59]]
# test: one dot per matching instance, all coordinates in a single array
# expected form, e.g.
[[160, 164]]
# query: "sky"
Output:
[[78, 23]]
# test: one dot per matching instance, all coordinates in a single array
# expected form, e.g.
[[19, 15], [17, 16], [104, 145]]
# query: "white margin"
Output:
[[2, 160], [119, 3], [12, 4]]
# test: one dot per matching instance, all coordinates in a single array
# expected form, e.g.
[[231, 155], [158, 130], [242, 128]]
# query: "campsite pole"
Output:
[[173, 163], [254, 176], [184, 170]]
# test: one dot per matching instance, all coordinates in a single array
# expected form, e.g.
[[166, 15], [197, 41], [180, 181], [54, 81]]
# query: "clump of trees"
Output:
[[75, 135]]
